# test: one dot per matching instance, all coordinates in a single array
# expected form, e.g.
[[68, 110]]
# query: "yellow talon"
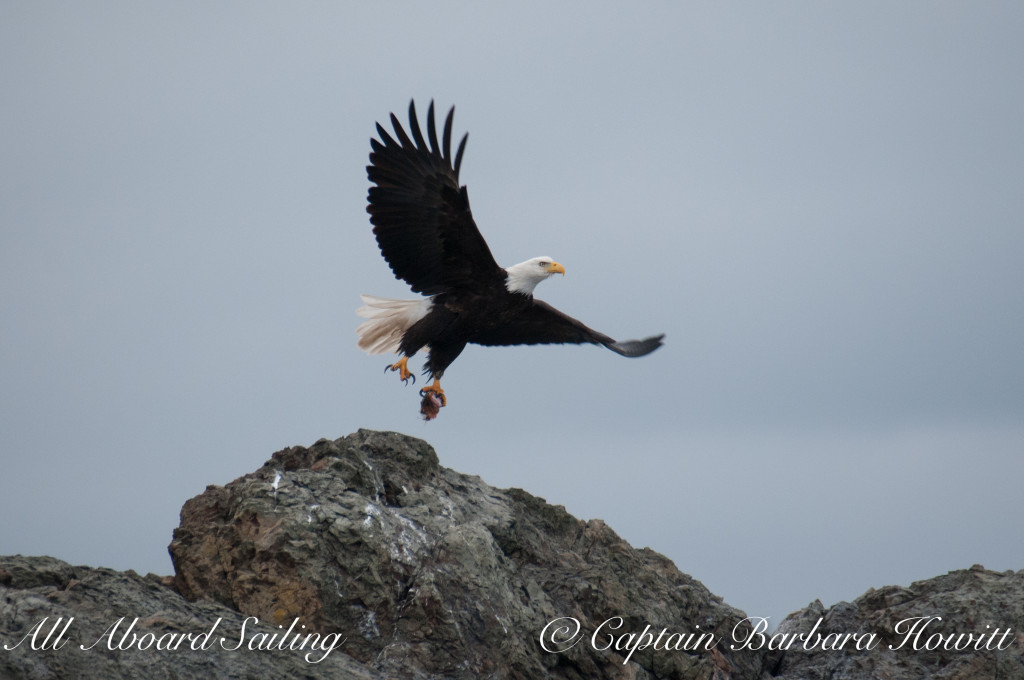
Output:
[[435, 389], [403, 369]]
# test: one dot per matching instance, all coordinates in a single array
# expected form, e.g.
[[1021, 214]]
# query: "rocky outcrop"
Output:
[[364, 558], [962, 626], [423, 569], [129, 626]]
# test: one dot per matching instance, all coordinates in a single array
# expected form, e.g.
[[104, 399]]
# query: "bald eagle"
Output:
[[425, 231]]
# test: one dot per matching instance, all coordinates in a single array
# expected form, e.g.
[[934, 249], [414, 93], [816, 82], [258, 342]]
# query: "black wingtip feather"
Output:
[[448, 135], [432, 129], [384, 136], [414, 126], [458, 154], [637, 348], [403, 137]]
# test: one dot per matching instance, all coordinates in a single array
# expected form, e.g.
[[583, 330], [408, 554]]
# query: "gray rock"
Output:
[[423, 569], [404, 569], [77, 606], [911, 643]]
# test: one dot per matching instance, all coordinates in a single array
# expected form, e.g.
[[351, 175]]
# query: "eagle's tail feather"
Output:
[[387, 320]]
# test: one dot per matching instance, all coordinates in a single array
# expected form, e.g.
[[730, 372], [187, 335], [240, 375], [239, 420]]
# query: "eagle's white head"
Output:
[[524, 277]]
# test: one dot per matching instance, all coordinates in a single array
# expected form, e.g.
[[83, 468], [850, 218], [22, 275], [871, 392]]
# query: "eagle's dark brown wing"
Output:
[[540, 323], [421, 215]]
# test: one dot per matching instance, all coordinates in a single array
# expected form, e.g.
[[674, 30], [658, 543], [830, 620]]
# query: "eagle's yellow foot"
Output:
[[434, 389], [403, 370]]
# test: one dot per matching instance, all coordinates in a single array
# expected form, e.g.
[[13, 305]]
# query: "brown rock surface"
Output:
[[421, 567]]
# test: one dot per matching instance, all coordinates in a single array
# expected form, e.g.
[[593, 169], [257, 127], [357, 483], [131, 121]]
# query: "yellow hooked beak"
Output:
[[555, 268]]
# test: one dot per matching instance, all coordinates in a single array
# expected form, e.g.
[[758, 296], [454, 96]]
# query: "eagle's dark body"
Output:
[[425, 229]]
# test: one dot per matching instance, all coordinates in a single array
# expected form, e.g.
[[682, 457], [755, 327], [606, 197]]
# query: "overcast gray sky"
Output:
[[820, 205]]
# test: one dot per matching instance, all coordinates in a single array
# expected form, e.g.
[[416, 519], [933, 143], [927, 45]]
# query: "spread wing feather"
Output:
[[421, 215], [542, 324]]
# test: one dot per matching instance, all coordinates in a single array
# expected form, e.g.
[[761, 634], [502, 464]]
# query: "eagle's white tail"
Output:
[[386, 321]]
